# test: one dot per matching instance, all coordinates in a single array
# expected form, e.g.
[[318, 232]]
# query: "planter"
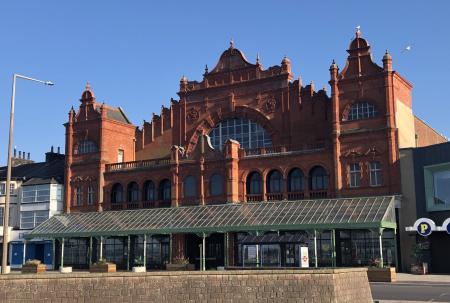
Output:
[[33, 268], [176, 267], [419, 269], [382, 274], [102, 268], [139, 269], [190, 267], [65, 270]]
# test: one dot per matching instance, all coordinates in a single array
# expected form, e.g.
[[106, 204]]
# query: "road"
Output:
[[411, 291]]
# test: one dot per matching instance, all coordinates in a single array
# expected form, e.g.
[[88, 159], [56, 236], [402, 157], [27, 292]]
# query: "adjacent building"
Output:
[[250, 163], [425, 194], [36, 195]]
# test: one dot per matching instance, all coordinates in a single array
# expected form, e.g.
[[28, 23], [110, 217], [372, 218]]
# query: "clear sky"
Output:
[[134, 52]]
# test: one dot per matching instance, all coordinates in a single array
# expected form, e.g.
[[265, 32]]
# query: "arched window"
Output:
[[87, 146], [254, 183], [216, 185], [274, 182], [149, 191], [117, 193], [318, 178], [133, 192], [248, 133], [361, 110], [190, 187], [295, 180], [165, 188]]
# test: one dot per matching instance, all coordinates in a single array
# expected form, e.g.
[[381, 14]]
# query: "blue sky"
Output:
[[134, 52]]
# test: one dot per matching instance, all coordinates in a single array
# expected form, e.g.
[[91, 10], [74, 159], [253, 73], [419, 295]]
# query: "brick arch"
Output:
[[210, 121]]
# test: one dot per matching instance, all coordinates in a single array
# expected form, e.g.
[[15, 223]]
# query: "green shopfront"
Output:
[[338, 232]]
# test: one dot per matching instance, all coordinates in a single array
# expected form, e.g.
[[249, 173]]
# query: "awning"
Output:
[[323, 214]]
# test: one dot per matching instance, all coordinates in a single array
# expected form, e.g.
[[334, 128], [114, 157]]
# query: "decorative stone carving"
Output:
[[270, 104], [192, 115]]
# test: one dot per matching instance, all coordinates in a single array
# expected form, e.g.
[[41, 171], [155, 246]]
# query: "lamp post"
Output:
[[8, 172]]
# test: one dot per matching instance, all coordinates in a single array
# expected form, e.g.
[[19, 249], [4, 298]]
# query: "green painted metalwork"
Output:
[[325, 214]]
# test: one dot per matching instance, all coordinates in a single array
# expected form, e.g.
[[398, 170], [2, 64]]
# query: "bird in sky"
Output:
[[407, 48]]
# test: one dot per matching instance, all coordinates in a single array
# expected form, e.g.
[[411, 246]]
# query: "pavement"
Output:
[[413, 289]]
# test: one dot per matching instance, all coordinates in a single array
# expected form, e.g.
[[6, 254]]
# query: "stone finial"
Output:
[[231, 43]]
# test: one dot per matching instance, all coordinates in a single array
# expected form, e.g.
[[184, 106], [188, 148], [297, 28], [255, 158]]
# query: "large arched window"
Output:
[[248, 133], [216, 185], [133, 192], [165, 188], [149, 191], [318, 178], [274, 182], [254, 183], [295, 180], [190, 187], [361, 110], [87, 146], [117, 193]]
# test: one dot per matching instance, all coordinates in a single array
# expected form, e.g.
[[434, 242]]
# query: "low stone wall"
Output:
[[317, 285]]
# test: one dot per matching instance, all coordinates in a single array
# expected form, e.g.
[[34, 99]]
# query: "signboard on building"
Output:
[[304, 257]]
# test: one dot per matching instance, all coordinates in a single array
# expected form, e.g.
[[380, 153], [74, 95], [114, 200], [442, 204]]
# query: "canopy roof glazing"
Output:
[[348, 213]]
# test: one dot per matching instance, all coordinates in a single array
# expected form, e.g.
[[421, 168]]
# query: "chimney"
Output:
[[59, 150], [15, 151], [20, 154], [28, 158]]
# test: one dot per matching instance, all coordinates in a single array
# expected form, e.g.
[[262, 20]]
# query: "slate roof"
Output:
[[52, 171]]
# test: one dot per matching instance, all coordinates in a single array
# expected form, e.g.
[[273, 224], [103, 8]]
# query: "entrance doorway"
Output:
[[214, 251]]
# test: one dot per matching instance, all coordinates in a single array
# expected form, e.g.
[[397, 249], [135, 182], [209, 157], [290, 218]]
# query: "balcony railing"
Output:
[[318, 194], [140, 204], [282, 149], [296, 195], [274, 196], [137, 164], [254, 197]]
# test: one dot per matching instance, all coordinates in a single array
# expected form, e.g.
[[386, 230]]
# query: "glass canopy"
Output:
[[347, 213]]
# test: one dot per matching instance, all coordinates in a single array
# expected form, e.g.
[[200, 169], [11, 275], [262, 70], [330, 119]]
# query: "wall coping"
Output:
[[58, 275]]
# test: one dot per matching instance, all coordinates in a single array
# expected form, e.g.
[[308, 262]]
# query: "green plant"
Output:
[[375, 262], [182, 261], [101, 262], [139, 261], [33, 262]]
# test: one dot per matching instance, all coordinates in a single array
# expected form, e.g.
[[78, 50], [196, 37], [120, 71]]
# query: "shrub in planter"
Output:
[[139, 265], [178, 264], [102, 266], [33, 267], [420, 267]]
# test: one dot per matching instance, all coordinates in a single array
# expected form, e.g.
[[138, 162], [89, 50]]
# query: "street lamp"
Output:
[[8, 172]]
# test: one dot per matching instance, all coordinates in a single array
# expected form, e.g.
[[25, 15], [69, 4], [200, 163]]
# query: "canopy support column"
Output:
[[145, 251], [316, 263], [226, 236], [170, 248], [203, 263], [396, 250], [128, 252], [62, 252], [380, 237], [25, 251], [53, 254], [333, 248], [90, 251], [101, 248]]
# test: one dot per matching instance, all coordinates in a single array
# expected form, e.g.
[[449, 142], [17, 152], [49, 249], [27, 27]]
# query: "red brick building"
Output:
[[246, 134]]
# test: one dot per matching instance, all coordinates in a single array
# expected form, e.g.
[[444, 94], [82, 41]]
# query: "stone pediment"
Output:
[[231, 59]]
